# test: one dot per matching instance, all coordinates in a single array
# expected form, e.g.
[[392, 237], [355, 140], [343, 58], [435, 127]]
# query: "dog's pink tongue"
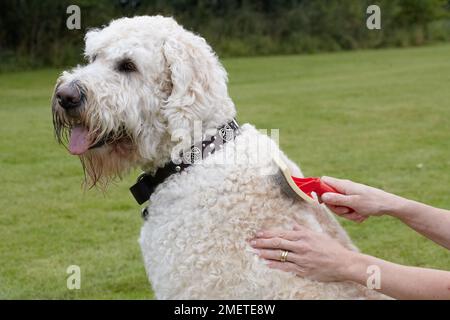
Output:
[[79, 141]]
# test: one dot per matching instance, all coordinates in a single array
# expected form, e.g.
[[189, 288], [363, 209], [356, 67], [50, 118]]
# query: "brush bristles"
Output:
[[280, 181], [284, 179]]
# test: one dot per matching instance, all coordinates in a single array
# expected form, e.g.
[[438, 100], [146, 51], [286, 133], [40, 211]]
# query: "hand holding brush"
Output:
[[305, 187]]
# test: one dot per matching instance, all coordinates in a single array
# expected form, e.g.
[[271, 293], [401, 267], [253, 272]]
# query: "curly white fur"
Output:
[[194, 241]]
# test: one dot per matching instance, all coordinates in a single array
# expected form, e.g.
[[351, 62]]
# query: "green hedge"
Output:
[[33, 33]]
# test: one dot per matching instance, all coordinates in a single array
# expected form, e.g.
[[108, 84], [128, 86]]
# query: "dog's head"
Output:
[[148, 79]]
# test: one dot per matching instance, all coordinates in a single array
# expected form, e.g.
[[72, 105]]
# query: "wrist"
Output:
[[355, 267], [394, 206], [401, 208]]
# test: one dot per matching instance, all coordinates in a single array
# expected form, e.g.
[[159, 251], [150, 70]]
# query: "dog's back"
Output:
[[194, 241]]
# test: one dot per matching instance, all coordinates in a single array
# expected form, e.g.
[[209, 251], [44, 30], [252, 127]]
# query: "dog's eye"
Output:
[[126, 66]]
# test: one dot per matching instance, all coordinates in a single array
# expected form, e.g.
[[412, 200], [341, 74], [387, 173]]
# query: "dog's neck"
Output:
[[147, 183]]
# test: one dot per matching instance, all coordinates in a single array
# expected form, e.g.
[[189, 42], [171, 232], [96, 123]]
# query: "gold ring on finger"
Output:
[[283, 255]]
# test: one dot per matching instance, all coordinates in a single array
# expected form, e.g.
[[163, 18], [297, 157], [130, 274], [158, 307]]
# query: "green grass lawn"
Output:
[[380, 117]]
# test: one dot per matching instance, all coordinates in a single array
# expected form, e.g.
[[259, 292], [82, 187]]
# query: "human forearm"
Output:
[[318, 256], [431, 222], [398, 281], [367, 201]]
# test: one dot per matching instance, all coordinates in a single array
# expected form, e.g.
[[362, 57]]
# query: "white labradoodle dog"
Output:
[[147, 82]]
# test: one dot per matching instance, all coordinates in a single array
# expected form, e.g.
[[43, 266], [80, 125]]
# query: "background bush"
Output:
[[33, 33]]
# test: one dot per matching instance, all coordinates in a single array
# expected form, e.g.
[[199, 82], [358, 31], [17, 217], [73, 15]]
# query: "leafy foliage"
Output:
[[33, 32]]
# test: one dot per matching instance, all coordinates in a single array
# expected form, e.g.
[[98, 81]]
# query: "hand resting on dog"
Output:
[[317, 256]]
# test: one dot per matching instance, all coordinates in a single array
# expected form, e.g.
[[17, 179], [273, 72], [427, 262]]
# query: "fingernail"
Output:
[[253, 243], [259, 233]]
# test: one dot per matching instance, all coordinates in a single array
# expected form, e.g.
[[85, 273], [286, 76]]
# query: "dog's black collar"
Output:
[[146, 183]]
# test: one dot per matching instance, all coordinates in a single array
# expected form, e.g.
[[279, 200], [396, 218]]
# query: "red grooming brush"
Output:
[[301, 187], [309, 185]]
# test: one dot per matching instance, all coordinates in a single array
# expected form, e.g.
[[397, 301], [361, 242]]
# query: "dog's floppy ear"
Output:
[[198, 81]]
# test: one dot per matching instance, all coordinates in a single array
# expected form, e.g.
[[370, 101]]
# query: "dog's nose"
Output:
[[68, 96]]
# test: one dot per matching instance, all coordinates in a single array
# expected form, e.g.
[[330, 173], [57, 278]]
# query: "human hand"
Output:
[[310, 254], [364, 200]]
